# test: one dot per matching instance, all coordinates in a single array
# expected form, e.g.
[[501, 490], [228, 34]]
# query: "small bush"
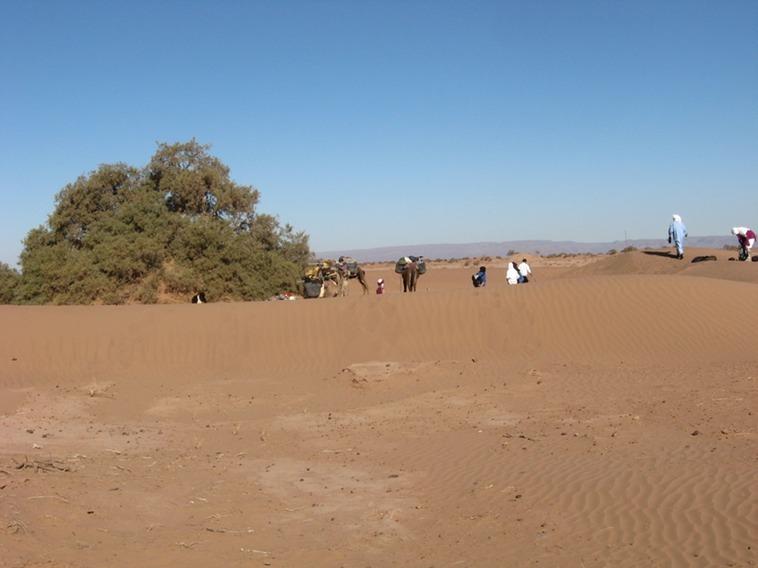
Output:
[[612, 251], [147, 293]]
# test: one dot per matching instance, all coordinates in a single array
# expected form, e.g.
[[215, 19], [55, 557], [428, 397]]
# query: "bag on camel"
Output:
[[312, 273], [352, 266], [403, 261], [312, 288]]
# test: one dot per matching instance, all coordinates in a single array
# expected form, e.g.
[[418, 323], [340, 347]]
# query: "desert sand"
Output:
[[602, 415]]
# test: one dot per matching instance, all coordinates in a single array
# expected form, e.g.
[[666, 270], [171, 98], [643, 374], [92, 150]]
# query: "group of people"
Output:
[[521, 273], [514, 274], [518, 273], [678, 233]]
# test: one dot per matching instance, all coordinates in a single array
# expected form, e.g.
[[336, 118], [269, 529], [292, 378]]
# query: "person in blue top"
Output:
[[480, 278], [677, 234]]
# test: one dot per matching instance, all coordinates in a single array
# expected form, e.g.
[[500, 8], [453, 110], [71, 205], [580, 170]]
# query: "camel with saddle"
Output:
[[410, 269], [329, 278]]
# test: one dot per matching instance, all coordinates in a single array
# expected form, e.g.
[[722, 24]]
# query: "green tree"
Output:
[[195, 183], [179, 225], [80, 203]]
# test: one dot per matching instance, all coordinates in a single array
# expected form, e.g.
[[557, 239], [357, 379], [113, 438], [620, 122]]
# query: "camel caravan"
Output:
[[329, 278]]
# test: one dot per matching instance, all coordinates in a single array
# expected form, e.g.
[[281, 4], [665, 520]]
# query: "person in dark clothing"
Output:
[[480, 278]]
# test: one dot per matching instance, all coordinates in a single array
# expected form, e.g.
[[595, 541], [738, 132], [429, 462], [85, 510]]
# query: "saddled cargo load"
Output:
[[320, 271], [313, 272], [312, 288], [351, 264], [405, 260]]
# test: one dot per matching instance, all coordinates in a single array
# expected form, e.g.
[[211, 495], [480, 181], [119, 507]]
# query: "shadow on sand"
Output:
[[667, 254]]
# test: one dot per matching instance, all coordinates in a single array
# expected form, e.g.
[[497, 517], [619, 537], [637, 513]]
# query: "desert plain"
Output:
[[602, 415]]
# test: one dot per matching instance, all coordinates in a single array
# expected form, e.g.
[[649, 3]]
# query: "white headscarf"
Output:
[[677, 218], [511, 274], [739, 231]]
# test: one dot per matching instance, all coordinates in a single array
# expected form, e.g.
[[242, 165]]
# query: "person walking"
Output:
[[380, 286], [524, 271], [677, 234], [746, 238]]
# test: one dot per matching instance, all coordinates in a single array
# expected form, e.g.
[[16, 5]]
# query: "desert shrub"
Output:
[[180, 225], [612, 251], [629, 249], [179, 279], [147, 291]]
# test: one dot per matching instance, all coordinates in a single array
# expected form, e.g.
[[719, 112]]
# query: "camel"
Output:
[[333, 275], [410, 276], [360, 274], [328, 273], [346, 274], [410, 269]]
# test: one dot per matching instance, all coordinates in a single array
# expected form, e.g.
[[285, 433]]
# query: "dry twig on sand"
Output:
[[42, 465], [229, 531], [16, 526], [187, 544], [49, 497]]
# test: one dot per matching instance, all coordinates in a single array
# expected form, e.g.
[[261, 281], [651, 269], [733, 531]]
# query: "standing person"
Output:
[[746, 238], [380, 286], [677, 234], [480, 278], [511, 274], [524, 271]]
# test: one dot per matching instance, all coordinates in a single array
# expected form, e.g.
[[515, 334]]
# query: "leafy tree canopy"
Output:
[[178, 226], [9, 280]]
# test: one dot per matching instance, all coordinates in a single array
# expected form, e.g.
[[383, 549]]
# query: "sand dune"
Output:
[[599, 416], [659, 262]]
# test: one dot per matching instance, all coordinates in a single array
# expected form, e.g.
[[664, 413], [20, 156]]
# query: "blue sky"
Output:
[[397, 122]]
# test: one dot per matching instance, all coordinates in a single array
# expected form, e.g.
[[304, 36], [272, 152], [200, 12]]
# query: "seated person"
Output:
[[524, 271], [480, 278], [512, 275]]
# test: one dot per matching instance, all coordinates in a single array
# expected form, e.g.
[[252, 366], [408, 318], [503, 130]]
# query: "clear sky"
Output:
[[369, 123]]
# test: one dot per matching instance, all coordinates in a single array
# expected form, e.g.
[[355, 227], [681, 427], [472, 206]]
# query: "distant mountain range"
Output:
[[469, 250]]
